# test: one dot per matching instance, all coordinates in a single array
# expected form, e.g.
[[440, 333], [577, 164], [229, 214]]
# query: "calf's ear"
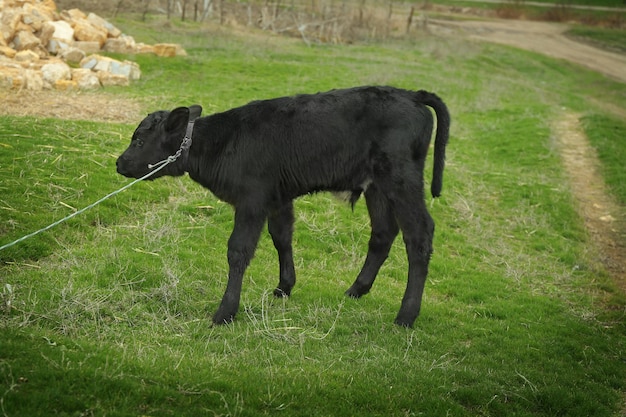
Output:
[[194, 112], [177, 119]]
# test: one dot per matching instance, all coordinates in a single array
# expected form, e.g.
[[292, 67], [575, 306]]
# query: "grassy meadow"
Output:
[[109, 314]]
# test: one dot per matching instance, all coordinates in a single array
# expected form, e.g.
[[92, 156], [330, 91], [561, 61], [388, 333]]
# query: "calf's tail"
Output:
[[441, 137]]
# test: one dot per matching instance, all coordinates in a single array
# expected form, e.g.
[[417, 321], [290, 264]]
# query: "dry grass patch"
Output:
[[100, 107]]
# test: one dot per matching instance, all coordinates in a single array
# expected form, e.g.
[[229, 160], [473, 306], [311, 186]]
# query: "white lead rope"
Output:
[[184, 147], [162, 164]]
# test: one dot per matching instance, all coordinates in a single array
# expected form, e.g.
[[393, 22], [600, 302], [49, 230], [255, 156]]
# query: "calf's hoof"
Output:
[[356, 291], [352, 294], [223, 318], [404, 323], [280, 293], [406, 319]]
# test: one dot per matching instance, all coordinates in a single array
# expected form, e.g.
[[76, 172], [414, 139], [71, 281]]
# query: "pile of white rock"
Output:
[[41, 48]]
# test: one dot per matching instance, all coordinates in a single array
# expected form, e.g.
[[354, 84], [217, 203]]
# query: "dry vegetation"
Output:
[[70, 105], [313, 20], [333, 21]]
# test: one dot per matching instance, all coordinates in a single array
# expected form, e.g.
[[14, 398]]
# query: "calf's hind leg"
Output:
[[417, 230], [384, 231], [280, 226]]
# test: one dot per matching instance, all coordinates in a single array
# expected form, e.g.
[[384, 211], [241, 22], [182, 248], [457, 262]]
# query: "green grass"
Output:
[[109, 314], [606, 133], [611, 39]]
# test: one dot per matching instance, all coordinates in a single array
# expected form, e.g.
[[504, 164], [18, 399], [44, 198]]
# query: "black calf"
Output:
[[259, 157]]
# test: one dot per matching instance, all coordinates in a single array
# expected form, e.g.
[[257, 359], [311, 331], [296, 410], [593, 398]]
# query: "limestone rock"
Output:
[[55, 71], [165, 49], [11, 76], [46, 32], [85, 78], [35, 15], [26, 56], [25, 40], [142, 48], [63, 31], [97, 21], [87, 47], [85, 31], [72, 54], [9, 21], [7, 51], [93, 62], [100, 63], [33, 80], [56, 46], [108, 79], [123, 44], [65, 85], [128, 69], [62, 37], [46, 8], [73, 15], [180, 51]]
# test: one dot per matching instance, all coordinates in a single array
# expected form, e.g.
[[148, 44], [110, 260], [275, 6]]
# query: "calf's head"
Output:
[[157, 137]]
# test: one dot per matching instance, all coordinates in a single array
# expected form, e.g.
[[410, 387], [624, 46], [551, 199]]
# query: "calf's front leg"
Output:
[[241, 246]]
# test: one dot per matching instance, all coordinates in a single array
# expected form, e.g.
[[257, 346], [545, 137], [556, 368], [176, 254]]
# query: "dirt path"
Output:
[[604, 218], [543, 37], [599, 210]]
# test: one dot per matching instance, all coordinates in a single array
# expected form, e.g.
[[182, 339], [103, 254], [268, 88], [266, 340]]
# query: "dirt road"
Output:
[[542, 37]]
